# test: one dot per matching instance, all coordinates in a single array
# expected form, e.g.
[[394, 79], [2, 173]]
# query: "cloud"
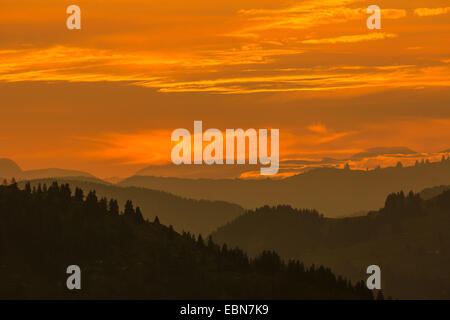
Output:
[[317, 128], [152, 146], [213, 62], [427, 12], [352, 38], [178, 73], [308, 15], [313, 80], [75, 64]]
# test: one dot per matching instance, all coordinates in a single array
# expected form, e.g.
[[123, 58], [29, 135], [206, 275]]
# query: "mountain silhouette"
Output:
[[229, 171], [332, 191], [381, 151], [9, 169], [291, 166], [408, 238], [123, 256]]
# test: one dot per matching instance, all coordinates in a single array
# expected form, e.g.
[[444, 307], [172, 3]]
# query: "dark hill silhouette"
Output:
[[9, 169], [408, 238], [198, 216], [45, 230], [382, 151], [335, 192]]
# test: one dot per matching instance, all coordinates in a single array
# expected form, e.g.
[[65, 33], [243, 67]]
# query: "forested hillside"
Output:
[[198, 216], [121, 255], [409, 238]]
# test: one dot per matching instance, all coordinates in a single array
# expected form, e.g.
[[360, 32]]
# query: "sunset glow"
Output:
[[104, 99]]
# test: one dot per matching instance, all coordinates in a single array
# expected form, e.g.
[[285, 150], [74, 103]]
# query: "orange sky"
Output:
[[105, 98]]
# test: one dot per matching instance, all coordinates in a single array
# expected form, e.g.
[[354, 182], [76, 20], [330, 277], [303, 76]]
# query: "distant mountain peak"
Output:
[[9, 168]]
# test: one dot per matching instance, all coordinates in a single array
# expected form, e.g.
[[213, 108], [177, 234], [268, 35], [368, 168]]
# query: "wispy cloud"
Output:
[[152, 146], [427, 12], [317, 128], [378, 76], [168, 74], [353, 38], [310, 14], [74, 64]]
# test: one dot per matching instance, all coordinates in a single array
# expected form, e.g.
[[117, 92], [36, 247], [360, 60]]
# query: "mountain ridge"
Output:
[[333, 191]]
